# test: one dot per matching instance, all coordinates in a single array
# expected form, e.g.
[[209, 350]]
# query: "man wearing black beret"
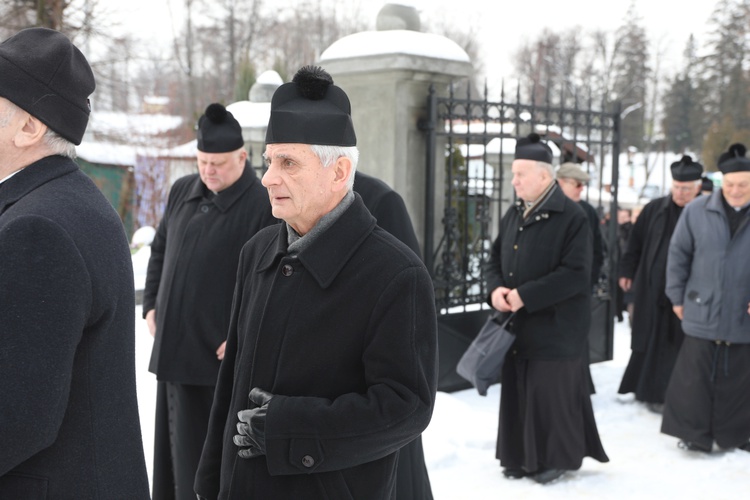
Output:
[[540, 269], [330, 364], [708, 281], [69, 424], [188, 294], [656, 332]]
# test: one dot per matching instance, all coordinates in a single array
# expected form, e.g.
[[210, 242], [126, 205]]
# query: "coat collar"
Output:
[[327, 255], [226, 198], [555, 202], [38, 173]]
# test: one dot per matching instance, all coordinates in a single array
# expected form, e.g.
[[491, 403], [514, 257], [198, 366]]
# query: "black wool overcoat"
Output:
[[547, 257], [69, 424], [344, 336], [192, 270]]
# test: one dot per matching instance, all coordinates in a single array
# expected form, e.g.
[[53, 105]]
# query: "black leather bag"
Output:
[[483, 361]]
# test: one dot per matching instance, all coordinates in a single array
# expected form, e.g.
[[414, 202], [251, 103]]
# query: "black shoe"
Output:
[[744, 447], [513, 473], [547, 475], [687, 445]]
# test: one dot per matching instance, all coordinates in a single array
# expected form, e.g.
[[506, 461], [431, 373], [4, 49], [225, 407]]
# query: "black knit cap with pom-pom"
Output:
[[311, 110], [686, 170], [219, 131], [532, 147], [734, 159]]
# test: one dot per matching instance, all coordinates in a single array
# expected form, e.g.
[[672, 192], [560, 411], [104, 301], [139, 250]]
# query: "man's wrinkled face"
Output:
[[218, 171], [529, 179], [736, 188], [572, 188], [683, 192], [300, 188]]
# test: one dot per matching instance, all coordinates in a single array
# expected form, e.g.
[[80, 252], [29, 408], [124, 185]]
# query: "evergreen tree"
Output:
[[631, 77], [683, 123]]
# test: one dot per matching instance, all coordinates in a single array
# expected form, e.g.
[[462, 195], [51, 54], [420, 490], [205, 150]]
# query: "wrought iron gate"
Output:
[[470, 147]]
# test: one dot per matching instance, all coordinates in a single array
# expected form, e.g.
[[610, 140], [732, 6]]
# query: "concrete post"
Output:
[[387, 75]]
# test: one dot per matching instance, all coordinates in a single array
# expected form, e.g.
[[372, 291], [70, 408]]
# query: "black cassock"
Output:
[[708, 397]]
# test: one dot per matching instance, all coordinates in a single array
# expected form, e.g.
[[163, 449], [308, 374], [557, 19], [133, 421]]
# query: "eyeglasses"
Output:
[[575, 183], [683, 189]]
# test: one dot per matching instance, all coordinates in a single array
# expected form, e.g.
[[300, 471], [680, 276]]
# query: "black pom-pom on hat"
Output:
[[311, 110], [216, 113], [219, 131], [312, 82], [734, 159], [686, 169], [532, 147]]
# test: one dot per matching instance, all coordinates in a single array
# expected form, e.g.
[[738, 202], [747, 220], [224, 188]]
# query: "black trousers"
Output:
[[708, 397], [182, 413]]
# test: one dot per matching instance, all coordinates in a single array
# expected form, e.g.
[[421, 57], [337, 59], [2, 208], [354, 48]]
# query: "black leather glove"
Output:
[[252, 425]]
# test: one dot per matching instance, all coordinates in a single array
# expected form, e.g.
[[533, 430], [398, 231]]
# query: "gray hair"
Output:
[[57, 144], [329, 154], [546, 166]]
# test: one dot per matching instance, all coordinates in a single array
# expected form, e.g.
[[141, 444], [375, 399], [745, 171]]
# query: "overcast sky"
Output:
[[503, 25]]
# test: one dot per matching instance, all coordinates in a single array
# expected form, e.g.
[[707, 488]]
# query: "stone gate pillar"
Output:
[[387, 75]]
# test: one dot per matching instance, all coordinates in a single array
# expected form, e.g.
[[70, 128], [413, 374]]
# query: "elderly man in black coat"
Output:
[[330, 364], [540, 268], [656, 332], [69, 425], [188, 295]]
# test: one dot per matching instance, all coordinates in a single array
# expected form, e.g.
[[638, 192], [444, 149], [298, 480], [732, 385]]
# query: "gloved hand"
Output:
[[252, 425]]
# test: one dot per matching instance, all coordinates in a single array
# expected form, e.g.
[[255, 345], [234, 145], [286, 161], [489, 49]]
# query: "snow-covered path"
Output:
[[460, 445]]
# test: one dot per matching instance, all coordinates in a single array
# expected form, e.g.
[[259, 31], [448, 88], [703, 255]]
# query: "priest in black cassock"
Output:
[[656, 332]]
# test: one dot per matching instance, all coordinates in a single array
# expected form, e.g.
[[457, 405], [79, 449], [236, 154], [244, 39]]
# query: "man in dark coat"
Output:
[[69, 424], [540, 269], [572, 179], [388, 208], [187, 299], [708, 281], [330, 364], [656, 331]]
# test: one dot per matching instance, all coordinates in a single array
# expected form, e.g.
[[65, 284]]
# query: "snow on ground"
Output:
[[459, 445]]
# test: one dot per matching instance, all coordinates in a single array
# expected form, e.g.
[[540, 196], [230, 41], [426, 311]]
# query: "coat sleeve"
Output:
[[634, 246], [45, 296], [493, 270], [314, 434], [679, 259], [156, 260]]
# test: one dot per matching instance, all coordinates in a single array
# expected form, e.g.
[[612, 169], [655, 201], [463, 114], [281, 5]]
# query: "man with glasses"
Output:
[[656, 331], [572, 180]]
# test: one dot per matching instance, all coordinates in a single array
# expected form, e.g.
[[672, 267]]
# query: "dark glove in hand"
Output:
[[252, 425]]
